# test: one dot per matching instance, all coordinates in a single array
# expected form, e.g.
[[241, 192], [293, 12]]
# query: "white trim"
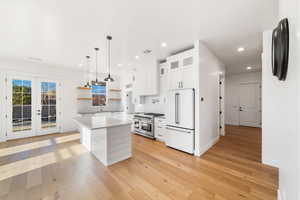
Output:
[[270, 162], [197, 148], [280, 195], [208, 146], [2, 107], [35, 85]]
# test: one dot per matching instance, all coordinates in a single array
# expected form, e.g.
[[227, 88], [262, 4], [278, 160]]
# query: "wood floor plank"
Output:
[[58, 167]]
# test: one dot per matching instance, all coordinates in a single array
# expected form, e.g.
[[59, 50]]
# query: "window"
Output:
[[99, 94]]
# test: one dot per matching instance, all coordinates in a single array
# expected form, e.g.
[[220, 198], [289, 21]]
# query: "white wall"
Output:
[[207, 111], [232, 88], [280, 136], [69, 80]]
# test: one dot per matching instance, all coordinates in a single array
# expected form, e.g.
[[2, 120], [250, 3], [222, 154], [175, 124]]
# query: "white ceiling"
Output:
[[63, 32]]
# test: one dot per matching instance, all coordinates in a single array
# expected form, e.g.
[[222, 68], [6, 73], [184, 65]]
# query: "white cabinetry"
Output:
[[181, 70], [164, 82], [159, 128], [146, 79]]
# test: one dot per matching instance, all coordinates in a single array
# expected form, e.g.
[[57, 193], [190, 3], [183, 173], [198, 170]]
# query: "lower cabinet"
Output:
[[159, 128]]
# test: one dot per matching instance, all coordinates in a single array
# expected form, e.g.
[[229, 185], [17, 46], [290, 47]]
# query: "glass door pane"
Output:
[[47, 107], [21, 105], [48, 103]]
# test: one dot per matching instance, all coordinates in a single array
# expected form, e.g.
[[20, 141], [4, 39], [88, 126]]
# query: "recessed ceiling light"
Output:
[[137, 57], [147, 51], [34, 59], [80, 65], [163, 44], [120, 65], [241, 49], [248, 68]]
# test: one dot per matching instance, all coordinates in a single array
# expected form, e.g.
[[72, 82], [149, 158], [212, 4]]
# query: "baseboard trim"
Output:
[[270, 162], [208, 146], [280, 196]]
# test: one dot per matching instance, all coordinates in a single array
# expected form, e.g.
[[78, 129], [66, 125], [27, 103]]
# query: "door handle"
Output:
[[176, 108], [183, 131], [241, 109]]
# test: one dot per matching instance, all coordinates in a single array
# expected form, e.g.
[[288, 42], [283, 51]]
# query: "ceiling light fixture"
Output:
[[108, 78], [163, 44], [137, 57], [87, 73], [241, 49], [34, 59], [96, 82], [120, 65], [249, 68]]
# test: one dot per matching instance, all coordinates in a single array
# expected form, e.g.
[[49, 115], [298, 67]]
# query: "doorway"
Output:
[[250, 104], [32, 106]]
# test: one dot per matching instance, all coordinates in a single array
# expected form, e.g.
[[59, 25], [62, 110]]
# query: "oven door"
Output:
[[146, 126]]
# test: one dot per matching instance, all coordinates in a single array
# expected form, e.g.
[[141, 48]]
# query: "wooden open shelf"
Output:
[[114, 99], [84, 98], [115, 90], [83, 88]]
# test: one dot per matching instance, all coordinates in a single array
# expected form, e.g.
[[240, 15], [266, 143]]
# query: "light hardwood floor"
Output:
[[58, 167]]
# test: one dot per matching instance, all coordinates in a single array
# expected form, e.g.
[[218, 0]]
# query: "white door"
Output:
[[48, 108], [31, 109], [249, 110], [21, 115]]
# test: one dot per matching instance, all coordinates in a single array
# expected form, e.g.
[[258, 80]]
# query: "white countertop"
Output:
[[99, 122], [96, 112]]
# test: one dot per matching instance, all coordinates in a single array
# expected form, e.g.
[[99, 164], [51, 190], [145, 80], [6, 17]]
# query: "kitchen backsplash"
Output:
[[86, 106], [153, 104]]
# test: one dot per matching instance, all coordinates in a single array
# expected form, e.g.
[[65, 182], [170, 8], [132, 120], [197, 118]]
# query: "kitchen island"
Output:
[[107, 138]]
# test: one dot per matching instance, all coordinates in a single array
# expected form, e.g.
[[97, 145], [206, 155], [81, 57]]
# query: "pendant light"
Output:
[[88, 84], [108, 78], [96, 82]]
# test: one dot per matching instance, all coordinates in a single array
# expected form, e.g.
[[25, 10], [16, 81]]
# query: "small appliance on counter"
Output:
[[181, 120], [144, 123]]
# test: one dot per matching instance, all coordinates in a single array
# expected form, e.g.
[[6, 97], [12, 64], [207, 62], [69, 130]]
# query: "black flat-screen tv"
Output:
[[280, 49]]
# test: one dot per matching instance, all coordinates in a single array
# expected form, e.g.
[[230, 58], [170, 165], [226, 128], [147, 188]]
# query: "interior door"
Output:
[[249, 111], [48, 107], [20, 107]]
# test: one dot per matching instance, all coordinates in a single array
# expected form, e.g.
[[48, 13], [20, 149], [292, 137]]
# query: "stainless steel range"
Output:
[[144, 123]]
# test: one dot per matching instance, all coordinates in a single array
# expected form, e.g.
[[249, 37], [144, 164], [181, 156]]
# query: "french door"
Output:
[[32, 106]]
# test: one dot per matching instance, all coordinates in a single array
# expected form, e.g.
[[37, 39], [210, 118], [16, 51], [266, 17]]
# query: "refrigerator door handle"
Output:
[[179, 130], [176, 108]]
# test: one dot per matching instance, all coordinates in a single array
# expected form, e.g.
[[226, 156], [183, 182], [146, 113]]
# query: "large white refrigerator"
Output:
[[181, 120]]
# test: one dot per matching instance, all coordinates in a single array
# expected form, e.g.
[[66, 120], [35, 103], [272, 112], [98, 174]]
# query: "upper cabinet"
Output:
[[146, 77], [181, 68]]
